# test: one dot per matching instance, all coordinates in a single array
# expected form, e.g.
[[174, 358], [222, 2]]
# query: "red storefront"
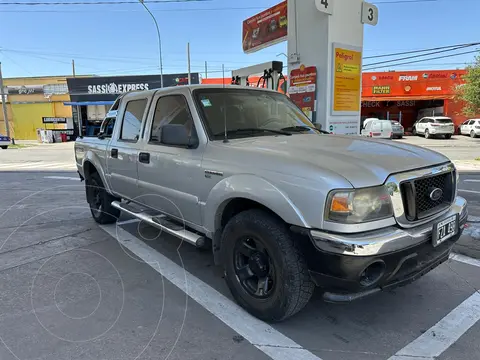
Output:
[[404, 95], [410, 95]]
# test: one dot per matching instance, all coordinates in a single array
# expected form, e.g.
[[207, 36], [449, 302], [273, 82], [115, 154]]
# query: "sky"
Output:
[[121, 39]]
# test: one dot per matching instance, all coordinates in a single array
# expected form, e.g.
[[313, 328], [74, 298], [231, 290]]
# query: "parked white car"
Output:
[[379, 129], [471, 127], [434, 126]]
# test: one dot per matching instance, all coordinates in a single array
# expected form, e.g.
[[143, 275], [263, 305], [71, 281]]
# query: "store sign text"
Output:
[[113, 88], [408, 78], [434, 88], [377, 90]]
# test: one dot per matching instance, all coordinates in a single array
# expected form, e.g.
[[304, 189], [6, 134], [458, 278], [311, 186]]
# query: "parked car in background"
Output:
[[398, 130], [470, 127], [4, 141], [379, 129], [434, 126]]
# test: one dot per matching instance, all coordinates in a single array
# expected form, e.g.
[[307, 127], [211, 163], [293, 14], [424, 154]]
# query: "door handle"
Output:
[[114, 153], [144, 158]]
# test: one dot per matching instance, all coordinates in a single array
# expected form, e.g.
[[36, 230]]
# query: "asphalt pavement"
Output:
[[71, 289]]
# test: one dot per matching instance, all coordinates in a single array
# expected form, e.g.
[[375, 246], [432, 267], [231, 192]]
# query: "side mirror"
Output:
[[177, 135]]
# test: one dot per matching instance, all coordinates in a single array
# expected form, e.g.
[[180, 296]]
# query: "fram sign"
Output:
[[408, 78]]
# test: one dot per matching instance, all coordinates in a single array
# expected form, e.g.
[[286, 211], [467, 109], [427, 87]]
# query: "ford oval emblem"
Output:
[[436, 194]]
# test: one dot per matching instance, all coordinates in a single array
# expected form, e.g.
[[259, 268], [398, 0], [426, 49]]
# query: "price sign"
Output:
[[369, 14], [325, 6]]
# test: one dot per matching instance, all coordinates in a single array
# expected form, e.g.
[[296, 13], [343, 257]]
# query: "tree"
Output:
[[470, 92]]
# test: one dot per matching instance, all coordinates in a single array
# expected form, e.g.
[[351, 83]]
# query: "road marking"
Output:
[[444, 334], [62, 178], [261, 335], [469, 191], [465, 259], [471, 180]]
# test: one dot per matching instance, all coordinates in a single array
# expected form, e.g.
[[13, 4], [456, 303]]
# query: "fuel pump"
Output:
[[270, 78]]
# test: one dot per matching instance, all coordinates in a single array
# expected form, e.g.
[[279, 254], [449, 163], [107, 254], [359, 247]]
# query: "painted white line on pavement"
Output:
[[62, 178], [264, 337], [471, 180], [465, 259], [469, 191], [445, 333]]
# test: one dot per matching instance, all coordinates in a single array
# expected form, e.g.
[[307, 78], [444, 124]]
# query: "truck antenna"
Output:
[[225, 140]]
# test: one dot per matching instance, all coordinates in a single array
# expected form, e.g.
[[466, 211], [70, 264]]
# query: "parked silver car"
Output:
[[434, 126], [398, 130], [283, 207]]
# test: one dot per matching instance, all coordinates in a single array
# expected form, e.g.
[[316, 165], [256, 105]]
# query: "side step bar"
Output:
[[161, 222]]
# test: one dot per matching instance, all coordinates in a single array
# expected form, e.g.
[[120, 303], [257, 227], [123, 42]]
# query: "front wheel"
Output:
[[100, 201], [427, 134], [448, 136], [265, 271], [473, 135], [414, 131]]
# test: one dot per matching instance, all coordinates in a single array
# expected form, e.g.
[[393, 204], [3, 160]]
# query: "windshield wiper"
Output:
[[254, 130], [300, 128]]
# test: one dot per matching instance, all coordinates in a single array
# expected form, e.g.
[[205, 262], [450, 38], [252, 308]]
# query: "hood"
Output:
[[363, 162]]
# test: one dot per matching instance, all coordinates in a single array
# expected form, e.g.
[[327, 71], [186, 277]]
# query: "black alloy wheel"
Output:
[[254, 268]]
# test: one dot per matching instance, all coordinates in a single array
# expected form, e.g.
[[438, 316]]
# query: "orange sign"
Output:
[[428, 84], [265, 29], [347, 80]]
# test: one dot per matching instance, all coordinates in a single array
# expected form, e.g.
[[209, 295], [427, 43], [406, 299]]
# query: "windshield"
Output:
[[257, 113], [443, 121]]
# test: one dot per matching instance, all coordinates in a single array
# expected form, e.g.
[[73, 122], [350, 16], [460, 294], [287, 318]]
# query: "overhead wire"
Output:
[[116, 2]]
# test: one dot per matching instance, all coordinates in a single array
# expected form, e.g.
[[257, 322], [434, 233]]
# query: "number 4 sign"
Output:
[[325, 6], [369, 14]]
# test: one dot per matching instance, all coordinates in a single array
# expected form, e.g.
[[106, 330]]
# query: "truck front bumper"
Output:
[[352, 266]]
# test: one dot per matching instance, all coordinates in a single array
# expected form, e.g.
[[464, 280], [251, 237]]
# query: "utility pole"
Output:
[[206, 70], [4, 105], [73, 67], [188, 64]]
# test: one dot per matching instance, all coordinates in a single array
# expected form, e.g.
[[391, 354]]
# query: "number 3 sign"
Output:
[[325, 6], [369, 14]]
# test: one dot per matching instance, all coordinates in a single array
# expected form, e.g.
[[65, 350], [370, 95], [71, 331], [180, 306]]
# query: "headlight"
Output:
[[358, 206]]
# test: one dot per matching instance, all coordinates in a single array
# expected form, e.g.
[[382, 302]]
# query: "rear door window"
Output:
[[443, 121], [132, 120]]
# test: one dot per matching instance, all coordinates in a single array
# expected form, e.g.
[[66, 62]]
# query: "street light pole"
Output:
[[159, 41]]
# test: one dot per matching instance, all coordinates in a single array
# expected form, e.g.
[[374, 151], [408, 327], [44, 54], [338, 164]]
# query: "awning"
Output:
[[407, 98], [85, 103]]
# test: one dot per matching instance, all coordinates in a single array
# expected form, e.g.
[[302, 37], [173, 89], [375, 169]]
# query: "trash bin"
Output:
[[63, 136]]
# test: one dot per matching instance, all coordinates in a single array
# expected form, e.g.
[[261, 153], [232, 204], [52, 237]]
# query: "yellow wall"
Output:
[[27, 118]]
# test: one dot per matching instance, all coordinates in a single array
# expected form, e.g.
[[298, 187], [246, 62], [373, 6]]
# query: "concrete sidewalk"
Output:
[[467, 165], [469, 243]]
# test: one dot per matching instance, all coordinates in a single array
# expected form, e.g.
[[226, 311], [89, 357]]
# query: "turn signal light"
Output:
[[340, 204]]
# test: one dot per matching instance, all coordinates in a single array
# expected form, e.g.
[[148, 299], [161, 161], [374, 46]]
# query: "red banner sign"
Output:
[[303, 84], [265, 29]]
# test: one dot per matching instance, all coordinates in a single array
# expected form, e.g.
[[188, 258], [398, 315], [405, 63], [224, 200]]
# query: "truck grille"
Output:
[[417, 199]]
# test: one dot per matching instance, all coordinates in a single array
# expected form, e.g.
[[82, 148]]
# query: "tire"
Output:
[[448, 136], [414, 131], [473, 135], [4, 147], [100, 201], [290, 284], [427, 134]]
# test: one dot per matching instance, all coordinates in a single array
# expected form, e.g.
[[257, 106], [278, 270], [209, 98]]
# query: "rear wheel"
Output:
[[4, 147], [473, 135], [100, 201], [264, 269], [448, 136], [427, 134]]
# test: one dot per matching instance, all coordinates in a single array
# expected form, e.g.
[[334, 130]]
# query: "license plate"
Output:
[[444, 230]]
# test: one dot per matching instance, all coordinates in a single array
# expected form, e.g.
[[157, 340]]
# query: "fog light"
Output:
[[372, 273]]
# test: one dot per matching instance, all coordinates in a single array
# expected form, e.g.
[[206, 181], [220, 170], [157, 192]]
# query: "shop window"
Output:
[[132, 119]]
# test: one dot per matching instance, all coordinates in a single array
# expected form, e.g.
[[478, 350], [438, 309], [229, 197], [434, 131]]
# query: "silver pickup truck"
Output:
[[283, 206]]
